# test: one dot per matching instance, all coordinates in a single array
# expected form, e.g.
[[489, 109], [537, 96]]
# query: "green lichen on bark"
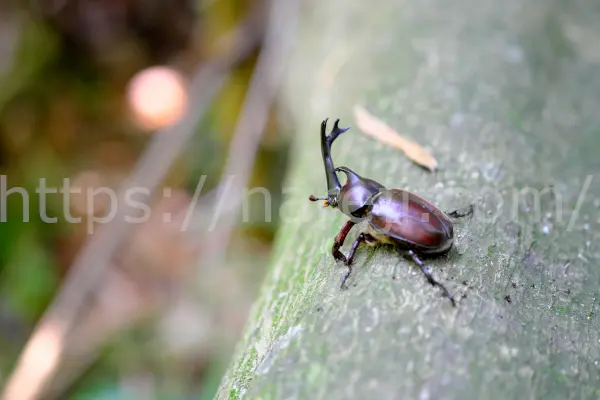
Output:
[[505, 95]]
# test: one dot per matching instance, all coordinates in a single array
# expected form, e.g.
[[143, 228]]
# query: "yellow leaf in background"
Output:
[[379, 130]]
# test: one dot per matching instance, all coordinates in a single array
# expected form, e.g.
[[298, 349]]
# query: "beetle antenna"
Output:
[[312, 197]]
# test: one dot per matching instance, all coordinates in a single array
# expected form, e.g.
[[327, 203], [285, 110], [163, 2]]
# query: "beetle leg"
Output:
[[362, 238], [339, 241], [462, 212], [427, 272]]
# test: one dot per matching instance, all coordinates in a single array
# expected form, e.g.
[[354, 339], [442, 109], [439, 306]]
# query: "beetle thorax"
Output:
[[356, 196]]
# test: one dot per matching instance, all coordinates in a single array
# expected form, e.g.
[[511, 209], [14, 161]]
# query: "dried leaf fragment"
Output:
[[377, 129]]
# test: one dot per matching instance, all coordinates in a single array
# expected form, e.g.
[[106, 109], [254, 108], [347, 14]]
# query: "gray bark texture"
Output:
[[506, 95]]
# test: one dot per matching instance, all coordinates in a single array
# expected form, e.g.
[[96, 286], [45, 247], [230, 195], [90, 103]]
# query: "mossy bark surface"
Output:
[[506, 96]]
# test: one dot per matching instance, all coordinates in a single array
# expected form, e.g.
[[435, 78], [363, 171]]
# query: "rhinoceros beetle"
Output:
[[394, 216]]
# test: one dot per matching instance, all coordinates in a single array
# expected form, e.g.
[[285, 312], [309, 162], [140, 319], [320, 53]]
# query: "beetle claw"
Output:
[[452, 300], [341, 257], [462, 212], [343, 285], [446, 293]]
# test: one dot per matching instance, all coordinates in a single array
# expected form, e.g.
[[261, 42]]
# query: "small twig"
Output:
[[42, 353]]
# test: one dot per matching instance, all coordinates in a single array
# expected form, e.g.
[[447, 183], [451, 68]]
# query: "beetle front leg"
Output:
[[339, 241], [427, 272], [362, 238]]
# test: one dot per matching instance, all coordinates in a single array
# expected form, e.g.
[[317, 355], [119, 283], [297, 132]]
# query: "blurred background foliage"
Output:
[[65, 67]]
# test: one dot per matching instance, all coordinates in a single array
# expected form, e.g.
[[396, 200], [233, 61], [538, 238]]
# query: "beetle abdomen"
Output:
[[411, 221]]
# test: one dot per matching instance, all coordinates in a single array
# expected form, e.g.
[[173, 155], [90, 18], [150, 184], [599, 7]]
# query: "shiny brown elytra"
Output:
[[414, 225]]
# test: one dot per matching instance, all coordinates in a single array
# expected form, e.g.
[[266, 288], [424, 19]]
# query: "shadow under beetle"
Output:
[[394, 216]]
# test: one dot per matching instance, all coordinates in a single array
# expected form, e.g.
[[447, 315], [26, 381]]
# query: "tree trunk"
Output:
[[506, 96]]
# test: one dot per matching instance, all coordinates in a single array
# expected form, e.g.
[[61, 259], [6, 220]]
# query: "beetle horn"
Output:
[[333, 183]]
